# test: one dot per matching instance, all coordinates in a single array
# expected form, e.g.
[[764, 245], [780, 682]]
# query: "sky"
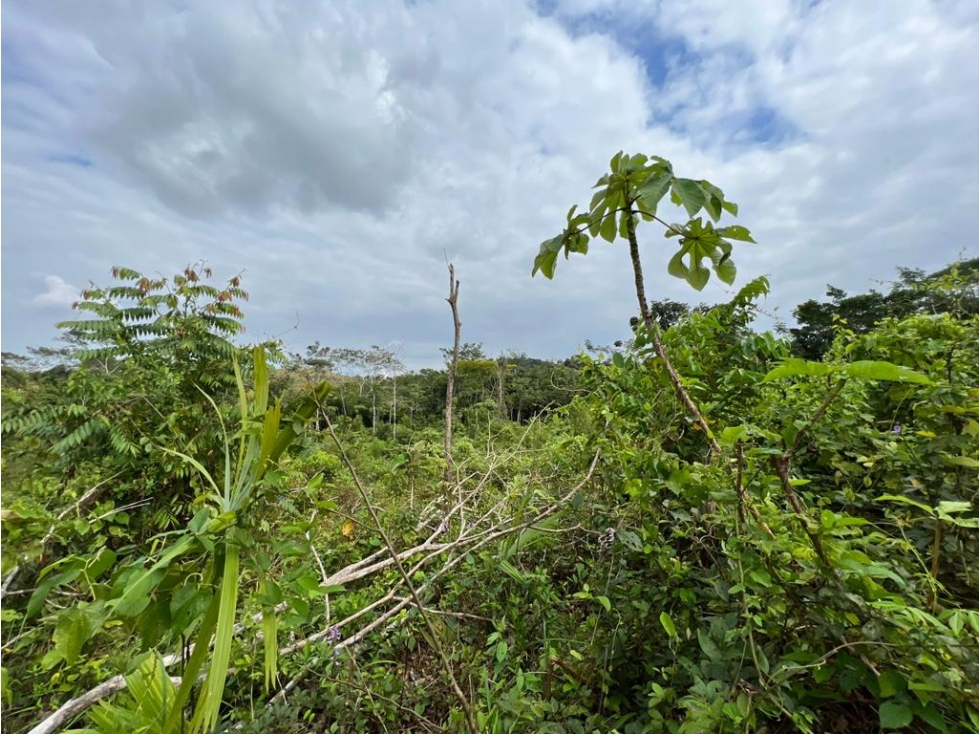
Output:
[[338, 154]]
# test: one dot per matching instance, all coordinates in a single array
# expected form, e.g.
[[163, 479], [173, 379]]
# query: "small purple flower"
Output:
[[333, 635], [897, 428]]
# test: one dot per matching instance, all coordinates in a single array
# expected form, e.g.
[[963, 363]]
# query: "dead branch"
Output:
[[453, 300]]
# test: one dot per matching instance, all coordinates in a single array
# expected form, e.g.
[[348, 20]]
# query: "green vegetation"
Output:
[[707, 529]]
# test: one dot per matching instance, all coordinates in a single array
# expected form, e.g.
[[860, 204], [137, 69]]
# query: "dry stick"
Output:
[[77, 505], [463, 701], [453, 301]]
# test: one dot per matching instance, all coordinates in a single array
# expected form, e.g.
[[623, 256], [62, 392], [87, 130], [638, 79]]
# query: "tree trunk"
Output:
[[453, 301], [653, 329]]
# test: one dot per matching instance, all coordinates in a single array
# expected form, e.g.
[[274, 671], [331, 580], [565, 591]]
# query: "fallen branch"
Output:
[[70, 710]]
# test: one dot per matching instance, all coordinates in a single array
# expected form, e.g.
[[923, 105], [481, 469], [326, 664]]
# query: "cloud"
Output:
[[58, 295], [338, 154]]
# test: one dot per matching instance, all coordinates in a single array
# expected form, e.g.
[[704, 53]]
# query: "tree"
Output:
[[147, 353], [950, 290], [631, 192]]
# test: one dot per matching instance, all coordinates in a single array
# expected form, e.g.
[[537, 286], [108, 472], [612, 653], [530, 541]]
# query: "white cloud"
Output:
[[339, 153], [58, 294]]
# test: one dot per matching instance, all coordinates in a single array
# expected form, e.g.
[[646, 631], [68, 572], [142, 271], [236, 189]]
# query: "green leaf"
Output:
[[736, 232], [726, 271], [667, 622], [708, 645], [75, 627], [676, 267], [895, 715], [869, 370], [501, 651], [891, 683], [512, 571], [604, 601], [690, 195], [907, 501], [607, 229], [731, 435], [653, 191], [699, 275], [965, 461], [794, 367], [545, 262]]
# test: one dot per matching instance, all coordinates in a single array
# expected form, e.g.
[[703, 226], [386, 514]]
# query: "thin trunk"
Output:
[[453, 300], [653, 330], [394, 411]]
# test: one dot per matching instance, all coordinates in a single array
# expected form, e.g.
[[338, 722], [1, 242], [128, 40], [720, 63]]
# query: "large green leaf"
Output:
[[869, 370], [690, 195], [652, 192], [895, 715]]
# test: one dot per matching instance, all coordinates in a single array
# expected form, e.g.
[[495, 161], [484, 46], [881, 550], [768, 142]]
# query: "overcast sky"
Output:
[[337, 153]]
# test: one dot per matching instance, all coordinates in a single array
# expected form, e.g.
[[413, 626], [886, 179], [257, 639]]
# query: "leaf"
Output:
[[512, 571], [732, 434], [736, 232], [546, 259], [690, 195], [907, 501], [895, 715], [667, 622], [607, 228], [965, 461], [653, 191], [75, 627], [726, 271], [869, 370], [630, 540], [699, 275], [604, 601], [708, 645], [891, 683], [677, 268], [794, 367]]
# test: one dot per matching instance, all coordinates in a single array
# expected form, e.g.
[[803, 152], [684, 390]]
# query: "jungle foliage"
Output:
[[708, 529]]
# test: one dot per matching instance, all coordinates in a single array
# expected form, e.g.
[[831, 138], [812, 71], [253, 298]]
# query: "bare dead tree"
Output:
[[453, 300]]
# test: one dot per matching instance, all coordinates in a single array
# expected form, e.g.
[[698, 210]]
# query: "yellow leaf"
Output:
[[348, 529]]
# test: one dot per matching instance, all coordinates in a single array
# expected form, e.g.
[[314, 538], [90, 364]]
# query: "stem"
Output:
[[936, 550], [653, 330]]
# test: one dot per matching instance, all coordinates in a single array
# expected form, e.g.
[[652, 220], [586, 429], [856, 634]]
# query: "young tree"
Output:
[[631, 193]]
